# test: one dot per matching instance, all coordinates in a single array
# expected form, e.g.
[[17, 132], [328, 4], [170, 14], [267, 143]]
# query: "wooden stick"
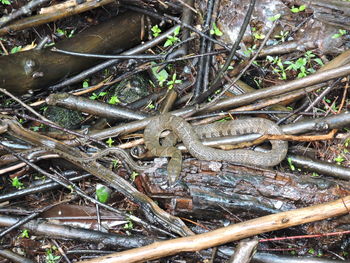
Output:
[[231, 233], [49, 17], [284, 137]]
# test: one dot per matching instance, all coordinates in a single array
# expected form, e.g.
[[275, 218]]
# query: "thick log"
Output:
[[214, 189], [34, 69]]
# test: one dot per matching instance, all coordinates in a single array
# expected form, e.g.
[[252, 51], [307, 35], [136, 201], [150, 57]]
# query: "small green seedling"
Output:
[[339, 159], [110, 142], [249, 51], [257, 35], [150, 106], [86, 84], [115, 163], [161, 75], [282, 36], [25, 233], [303, 64], [298, 65], [102, 193], [347, 142], [311, 251], [71, 188], [5, 2], [298, 9], [291, 165], [171, 83], [134, 175], [17, 183], [62, 32], [95, 96], [50, 257], [37, 128], [16, 49], [341, 33], [278, 68], [156, 31], [114, 100], [129, 225], [274, 18], [215, 31], [173, 38]]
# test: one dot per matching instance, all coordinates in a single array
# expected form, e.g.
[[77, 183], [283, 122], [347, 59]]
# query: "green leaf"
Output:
[[269, 58], [301, 75], [115, 163], [347, 142], [17, 183], [309, 54], [173, 81], [294, 9], [86, 84], [156, 30], [50, 257], [71, 33], [102, 193], [25, 233], [134, 175], [150, 106], [291, 166], [168, 43], [5, 2], [319, 61], [301, 62], [298, 9], [114, 100], [342, 31], [60, 32], [302, 8], [129, 225], [16, 49], [93, 96], [161, 76], [172, 39], [259, 36], [110, 142], [177, 31], [274, 18], [215, 31], [311, 251], [339, 159]]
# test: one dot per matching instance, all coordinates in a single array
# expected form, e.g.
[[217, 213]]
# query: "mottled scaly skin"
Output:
[[191, 136]]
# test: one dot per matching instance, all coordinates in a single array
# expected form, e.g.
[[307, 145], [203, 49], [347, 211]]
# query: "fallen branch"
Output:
[[283, 137], [49, 17], [231, 233]]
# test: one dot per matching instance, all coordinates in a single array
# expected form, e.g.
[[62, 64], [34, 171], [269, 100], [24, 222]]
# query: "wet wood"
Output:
[[23, 71], [214, 189], [231, 233], [53, 16]]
